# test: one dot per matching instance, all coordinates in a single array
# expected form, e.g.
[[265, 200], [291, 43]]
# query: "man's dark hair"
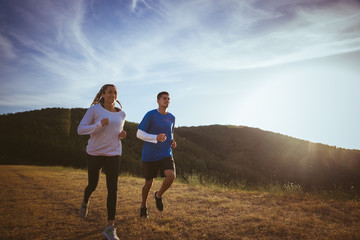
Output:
[[161, 94]]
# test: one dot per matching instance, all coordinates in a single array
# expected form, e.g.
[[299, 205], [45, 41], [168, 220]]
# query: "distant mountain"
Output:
[[229, 154]]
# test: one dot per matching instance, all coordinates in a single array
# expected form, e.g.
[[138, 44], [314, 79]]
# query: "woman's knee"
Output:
[[91, 188]]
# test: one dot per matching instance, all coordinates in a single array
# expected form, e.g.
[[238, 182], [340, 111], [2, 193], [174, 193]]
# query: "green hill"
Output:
[[233, 155]]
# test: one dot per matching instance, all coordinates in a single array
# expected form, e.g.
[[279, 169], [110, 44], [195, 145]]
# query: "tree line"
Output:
[[227, 154]]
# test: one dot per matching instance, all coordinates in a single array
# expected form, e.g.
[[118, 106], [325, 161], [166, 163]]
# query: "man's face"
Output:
[[164, 101]]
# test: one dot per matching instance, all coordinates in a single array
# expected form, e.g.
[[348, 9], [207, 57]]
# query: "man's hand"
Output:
[[173, 144], [161, 137]]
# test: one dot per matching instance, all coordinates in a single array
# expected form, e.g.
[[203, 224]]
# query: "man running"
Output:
[[157, 131]]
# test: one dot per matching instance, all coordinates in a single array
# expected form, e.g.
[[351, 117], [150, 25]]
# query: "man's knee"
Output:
[[148, 182], [170, 174]]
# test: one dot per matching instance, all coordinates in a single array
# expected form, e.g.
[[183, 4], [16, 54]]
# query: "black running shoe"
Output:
[[159, 203], [144, 212]]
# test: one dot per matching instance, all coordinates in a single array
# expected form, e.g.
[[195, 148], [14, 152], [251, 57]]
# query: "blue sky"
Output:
[[290, 67]]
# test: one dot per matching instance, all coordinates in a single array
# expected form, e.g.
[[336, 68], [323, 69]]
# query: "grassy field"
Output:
[[43, 202]]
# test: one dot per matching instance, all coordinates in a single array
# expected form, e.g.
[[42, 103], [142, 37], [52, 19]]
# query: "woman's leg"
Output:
[[94, 165], [111, 167]]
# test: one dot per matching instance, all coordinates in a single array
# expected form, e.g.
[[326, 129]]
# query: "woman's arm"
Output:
[[86, 125]]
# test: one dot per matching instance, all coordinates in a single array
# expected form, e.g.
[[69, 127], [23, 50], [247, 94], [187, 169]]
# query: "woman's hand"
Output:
[[122, 134], [105, 121]]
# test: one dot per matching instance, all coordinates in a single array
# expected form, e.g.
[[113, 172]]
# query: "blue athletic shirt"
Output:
[[155, 123]]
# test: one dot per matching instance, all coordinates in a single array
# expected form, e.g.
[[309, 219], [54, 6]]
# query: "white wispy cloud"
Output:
[[69, 48], [208, 35], [133, 5], [6, 48]]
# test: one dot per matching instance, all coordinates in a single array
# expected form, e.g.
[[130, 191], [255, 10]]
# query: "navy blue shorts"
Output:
[[151, 169]]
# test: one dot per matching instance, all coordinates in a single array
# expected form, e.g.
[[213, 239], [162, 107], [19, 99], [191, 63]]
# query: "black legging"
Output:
[[111, 167]]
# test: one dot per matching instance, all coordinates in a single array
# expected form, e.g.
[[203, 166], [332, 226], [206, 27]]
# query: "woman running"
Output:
[[104, 122]]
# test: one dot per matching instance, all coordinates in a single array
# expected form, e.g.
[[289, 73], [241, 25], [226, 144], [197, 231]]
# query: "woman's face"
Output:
[[110, 94]]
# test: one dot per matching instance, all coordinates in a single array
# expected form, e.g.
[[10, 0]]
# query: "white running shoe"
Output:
[[110, 233], [84, 208]]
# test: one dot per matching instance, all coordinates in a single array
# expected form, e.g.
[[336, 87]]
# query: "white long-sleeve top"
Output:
[[104, 140]]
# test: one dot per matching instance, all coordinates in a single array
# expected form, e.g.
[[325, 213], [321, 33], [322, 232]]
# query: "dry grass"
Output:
[[43, 202]]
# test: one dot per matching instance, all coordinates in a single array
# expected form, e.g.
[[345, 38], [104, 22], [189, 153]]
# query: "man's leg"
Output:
[[169, 179], [145, 191]]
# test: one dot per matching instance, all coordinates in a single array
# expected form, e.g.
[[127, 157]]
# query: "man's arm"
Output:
[[146, 136], [153, 138]]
